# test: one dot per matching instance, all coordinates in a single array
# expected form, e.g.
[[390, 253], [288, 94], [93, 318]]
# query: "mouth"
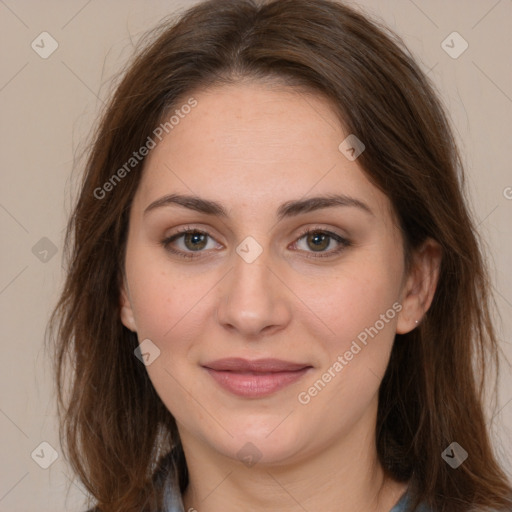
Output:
[[257, 378]]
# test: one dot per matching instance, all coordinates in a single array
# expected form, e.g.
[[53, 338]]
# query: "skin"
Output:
[[251, 147]]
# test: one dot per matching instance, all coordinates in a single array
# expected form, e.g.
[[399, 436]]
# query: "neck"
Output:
[[218, 482]]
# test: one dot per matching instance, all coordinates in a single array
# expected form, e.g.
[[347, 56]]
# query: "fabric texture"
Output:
[[401, 506]]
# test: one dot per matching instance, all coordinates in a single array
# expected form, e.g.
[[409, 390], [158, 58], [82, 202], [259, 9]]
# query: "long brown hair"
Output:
[[114, 427]]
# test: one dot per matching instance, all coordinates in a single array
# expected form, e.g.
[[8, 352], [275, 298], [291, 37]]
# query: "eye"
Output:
[[320, 239], [195, 240]]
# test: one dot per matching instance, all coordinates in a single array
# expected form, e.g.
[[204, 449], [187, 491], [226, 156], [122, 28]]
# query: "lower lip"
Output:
[[255, 385]]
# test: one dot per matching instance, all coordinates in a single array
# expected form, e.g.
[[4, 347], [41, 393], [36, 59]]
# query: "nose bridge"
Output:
[[252, 298]]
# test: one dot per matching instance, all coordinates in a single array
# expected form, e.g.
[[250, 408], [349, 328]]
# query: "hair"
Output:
[[114, 427]]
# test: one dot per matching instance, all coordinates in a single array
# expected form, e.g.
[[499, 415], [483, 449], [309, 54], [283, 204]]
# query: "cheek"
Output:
[[358, 309], [354, 298], [161, 298], [167, 306]]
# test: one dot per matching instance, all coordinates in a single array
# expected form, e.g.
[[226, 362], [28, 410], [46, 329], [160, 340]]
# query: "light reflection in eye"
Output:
[[196, 240]]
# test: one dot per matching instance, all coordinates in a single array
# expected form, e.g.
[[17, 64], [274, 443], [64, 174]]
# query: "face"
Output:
[[274, 316]]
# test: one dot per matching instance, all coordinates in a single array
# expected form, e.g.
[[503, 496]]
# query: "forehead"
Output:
[[252, 145]]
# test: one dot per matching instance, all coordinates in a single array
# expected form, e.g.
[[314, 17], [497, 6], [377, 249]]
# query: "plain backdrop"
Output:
[[48, 106]]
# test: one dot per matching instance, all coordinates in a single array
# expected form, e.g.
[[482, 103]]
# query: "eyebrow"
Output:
[[287, 209]]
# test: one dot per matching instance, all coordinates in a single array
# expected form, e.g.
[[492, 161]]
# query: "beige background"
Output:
[[48, 107]]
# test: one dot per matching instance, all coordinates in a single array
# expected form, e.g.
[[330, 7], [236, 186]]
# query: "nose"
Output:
[[254, 300]]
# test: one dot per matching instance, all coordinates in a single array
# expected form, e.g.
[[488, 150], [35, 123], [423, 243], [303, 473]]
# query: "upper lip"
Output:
[[238, 364]]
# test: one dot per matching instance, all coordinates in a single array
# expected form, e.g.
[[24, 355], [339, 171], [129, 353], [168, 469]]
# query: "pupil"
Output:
[[198, 237], [322, 236], [194, 237]]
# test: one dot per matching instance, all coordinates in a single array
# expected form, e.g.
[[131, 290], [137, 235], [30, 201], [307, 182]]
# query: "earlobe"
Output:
[[420, 287], [127, 316]]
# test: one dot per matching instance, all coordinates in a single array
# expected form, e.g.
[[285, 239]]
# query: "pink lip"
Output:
[[257, 378]]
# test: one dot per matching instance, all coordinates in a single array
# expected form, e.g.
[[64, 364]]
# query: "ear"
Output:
[[420, 285], [127, 316]]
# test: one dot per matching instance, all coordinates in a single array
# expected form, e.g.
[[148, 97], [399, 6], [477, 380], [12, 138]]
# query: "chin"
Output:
[[264, 441]]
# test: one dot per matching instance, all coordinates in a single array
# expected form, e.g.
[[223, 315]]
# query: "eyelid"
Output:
[[178, 234], [342, 240]]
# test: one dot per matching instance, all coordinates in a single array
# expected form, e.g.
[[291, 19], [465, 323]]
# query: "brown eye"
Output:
[[317, 241], [195, 241]]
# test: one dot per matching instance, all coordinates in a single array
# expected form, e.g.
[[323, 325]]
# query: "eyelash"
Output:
[[344, 243]]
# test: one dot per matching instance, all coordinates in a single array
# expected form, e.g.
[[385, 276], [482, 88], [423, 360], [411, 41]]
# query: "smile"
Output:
[[255, 379]]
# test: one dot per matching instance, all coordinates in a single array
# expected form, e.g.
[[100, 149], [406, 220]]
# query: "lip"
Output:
[[256, 378]]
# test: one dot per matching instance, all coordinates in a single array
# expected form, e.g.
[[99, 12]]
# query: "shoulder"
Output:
[[165, 480], [404, 504]]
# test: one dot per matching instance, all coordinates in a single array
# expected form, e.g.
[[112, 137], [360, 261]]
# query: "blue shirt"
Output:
[[403, 502]]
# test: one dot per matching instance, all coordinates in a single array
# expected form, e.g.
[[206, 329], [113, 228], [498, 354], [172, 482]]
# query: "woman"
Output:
[[276, 292]]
